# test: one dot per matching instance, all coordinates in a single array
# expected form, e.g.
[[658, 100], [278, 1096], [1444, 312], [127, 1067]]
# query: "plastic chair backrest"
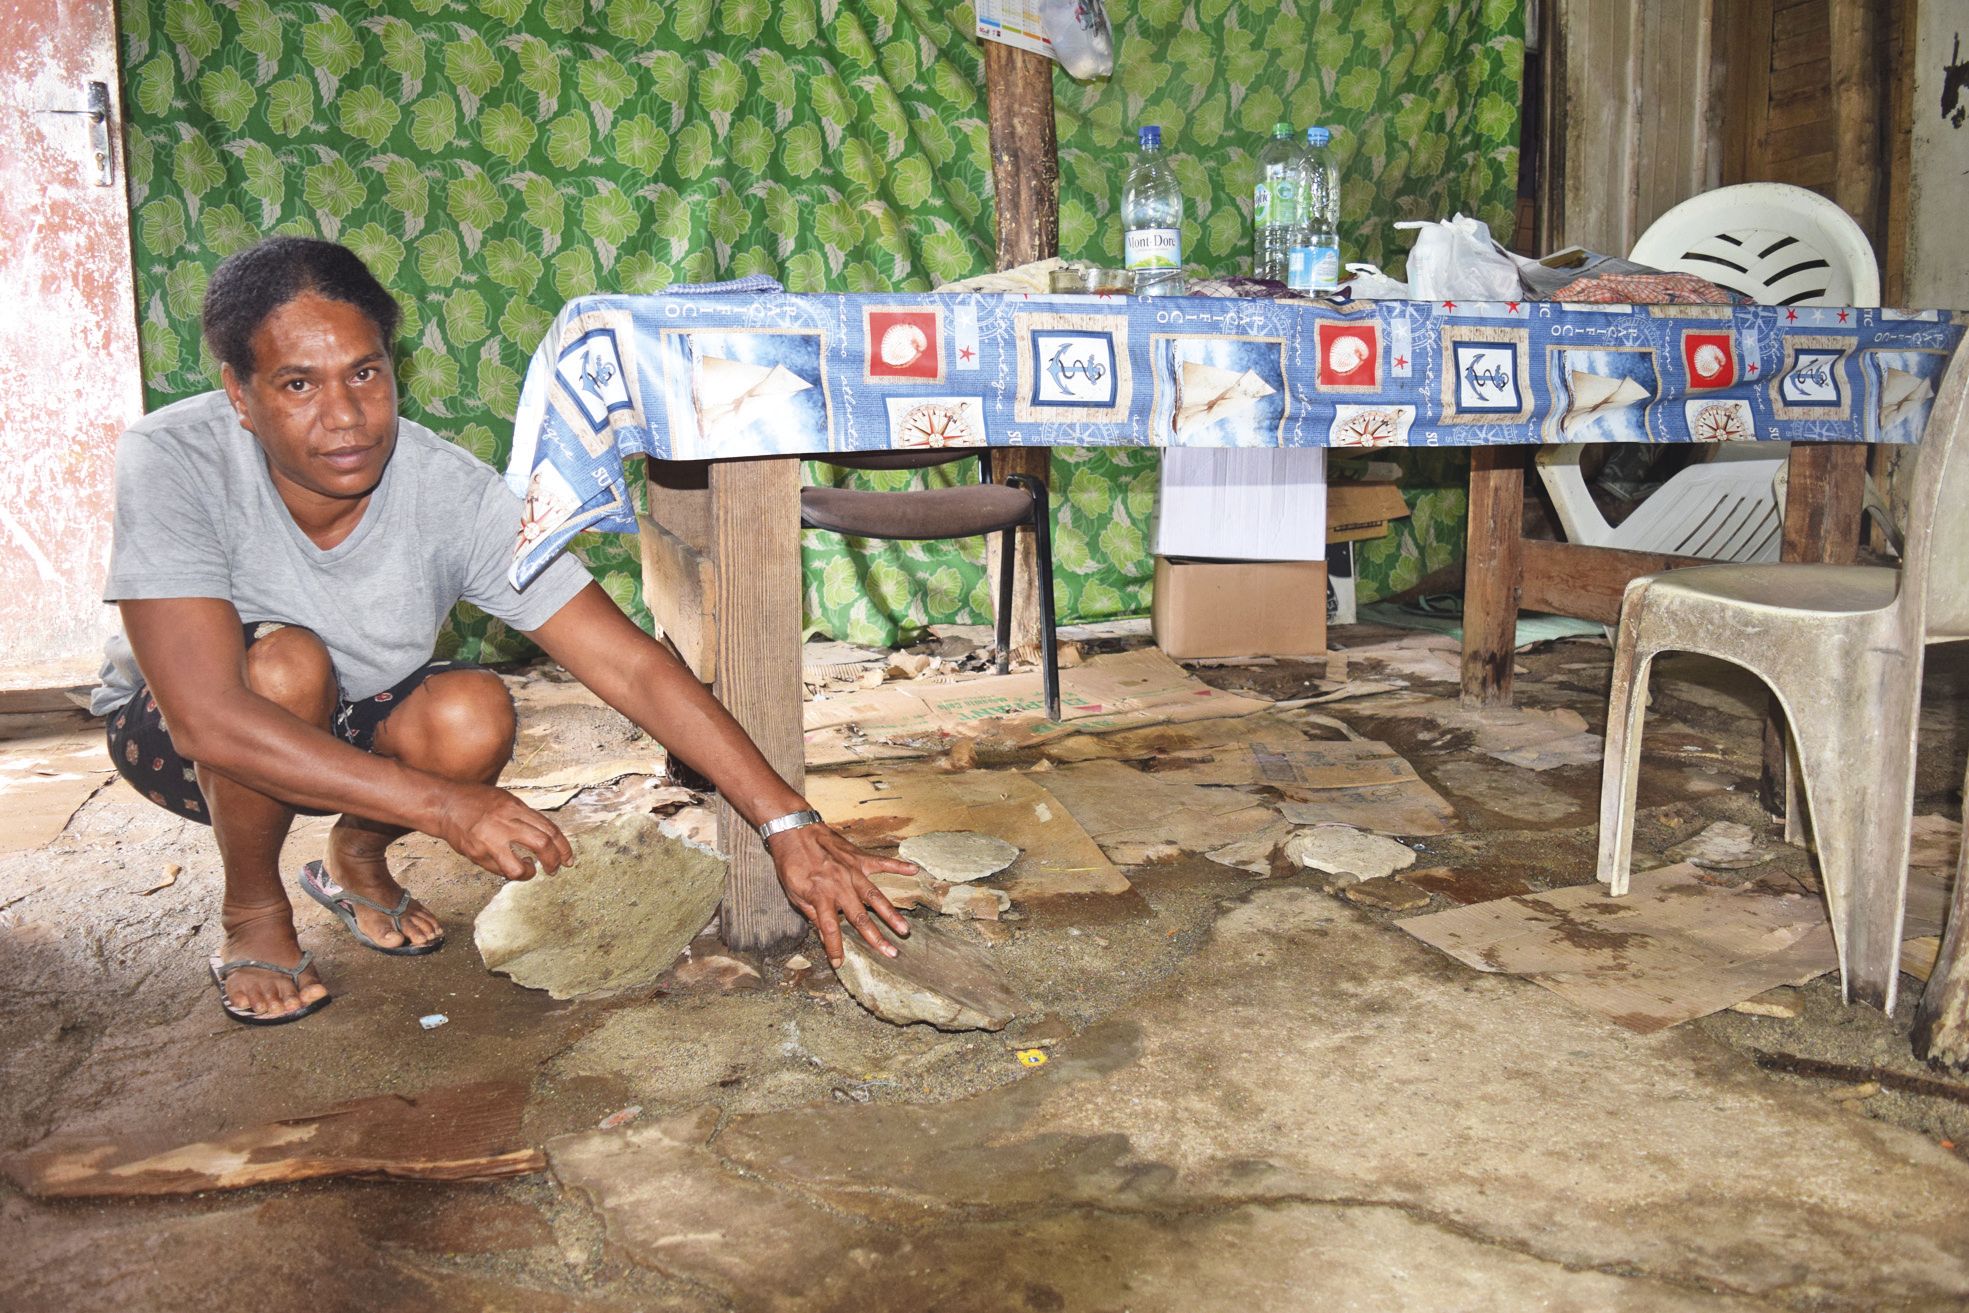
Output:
[[1776, 244], [1937, 561]]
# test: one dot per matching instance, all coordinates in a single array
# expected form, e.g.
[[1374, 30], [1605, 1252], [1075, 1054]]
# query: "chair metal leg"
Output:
[[1008, 574], [1042, 543]]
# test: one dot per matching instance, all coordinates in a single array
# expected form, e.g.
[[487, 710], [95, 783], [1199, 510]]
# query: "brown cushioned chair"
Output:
[[966, 511]]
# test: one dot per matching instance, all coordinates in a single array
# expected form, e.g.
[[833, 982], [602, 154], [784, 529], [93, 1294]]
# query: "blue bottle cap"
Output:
[[1151, 136], [1318, 136]]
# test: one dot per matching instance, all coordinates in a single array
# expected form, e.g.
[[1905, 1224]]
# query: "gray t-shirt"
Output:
[[197, 516]]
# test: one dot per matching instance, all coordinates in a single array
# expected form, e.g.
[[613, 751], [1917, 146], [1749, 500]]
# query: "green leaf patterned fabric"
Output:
[[492, 158]]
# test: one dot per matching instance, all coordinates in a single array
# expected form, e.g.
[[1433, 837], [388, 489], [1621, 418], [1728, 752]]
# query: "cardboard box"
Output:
[[1355, 511], [1239, 608], [1242, 504]]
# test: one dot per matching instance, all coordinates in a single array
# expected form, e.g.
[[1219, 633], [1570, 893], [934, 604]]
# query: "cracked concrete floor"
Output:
[[1257, 1096]]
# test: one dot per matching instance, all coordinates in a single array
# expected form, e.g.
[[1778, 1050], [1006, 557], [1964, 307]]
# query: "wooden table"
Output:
[[676, 377]]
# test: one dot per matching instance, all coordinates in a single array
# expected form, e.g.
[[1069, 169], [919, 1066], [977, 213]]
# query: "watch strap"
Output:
[[790, 821]]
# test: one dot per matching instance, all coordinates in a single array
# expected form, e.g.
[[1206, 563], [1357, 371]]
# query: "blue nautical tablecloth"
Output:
[[747, 370]]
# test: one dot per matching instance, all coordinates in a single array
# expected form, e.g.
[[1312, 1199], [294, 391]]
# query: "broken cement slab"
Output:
[[933, 978], [568, 737], [1111, 1177], [614, 920], [1117, 691], [1058, 857], [1674, 948], [1342, 850], [459, 1133], [980, 902], [958, 856], [1386, 893]]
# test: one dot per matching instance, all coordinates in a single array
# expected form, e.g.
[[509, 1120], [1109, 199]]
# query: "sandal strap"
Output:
[[293, 973], [335, 891]]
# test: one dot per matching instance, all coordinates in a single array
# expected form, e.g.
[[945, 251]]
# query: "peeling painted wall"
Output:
[[69, 375], [1938, 175]]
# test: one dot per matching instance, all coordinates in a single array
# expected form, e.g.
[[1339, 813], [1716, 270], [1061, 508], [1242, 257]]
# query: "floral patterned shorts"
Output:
[[140, 744]]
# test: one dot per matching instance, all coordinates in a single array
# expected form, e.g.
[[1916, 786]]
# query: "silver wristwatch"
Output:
[[790, 821]]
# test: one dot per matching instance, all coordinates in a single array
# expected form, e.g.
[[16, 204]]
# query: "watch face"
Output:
[[937, 424]]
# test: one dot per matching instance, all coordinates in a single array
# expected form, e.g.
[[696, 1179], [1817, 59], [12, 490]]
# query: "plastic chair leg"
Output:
[[1627, 707], [1042, 545], [1857, 769]]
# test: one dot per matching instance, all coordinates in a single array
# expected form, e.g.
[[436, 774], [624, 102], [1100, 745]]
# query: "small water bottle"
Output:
[[1152, 217], [1275, 206], [1315, 260]]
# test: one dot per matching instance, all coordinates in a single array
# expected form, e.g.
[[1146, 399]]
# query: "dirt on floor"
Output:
[[112, 1028]]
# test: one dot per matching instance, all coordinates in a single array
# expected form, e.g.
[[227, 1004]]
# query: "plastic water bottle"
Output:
[[1315, 263], [1152, 216], [1275, 206]]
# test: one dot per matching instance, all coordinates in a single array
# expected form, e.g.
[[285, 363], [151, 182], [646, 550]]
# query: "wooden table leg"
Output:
[[1492, 573], [755, 553], [1825, 487]]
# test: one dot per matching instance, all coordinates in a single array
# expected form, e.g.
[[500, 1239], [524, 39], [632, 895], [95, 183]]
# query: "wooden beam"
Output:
[[1492, 574], [1588, 582], [1856, 30], [1025, 172], [680, 588], [755, 552]]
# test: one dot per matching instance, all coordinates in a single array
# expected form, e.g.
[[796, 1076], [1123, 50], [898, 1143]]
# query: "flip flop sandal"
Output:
[[221, 969], [317, 884]]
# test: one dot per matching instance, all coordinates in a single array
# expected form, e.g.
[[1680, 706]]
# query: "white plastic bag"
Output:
[[1370, 284], [1082, 41], [1456, 260]]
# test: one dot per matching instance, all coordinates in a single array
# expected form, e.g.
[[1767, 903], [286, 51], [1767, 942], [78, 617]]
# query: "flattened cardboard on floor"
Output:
[[1118, 691], [1239, 608], [1676, 947], [1058, 857]]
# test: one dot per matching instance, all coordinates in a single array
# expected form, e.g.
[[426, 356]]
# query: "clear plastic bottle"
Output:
[[1316, 247], [1275, 206], [1152, 215]]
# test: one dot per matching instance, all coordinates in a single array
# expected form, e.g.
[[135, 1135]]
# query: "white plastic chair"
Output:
[[1778, 245], [1841, 648]]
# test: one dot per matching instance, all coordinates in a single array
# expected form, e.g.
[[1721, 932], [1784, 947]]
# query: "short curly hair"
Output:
[[250, 285]]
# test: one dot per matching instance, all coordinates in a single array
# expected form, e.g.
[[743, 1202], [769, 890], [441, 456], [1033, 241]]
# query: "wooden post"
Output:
[[1025, 172], [1824, 487], [1492, 573], [755, 555]]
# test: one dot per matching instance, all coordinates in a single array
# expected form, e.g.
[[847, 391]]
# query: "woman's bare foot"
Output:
[[356, 861], [265, 933]]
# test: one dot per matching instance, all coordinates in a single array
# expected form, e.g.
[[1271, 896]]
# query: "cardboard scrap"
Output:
[[554, 714], [1058, 855], [1359, 782], [458, 1133], [1138, 817], [1113, 692], [1520, 736], [1675, 948]]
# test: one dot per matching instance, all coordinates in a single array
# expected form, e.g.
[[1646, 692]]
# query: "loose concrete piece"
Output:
[[933, 978], [1387, 893], [1723, 846], [958, 856], [1352, 854], [615, 920]]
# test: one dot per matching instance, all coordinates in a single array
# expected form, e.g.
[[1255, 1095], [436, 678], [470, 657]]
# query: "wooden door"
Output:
[[69, 376]]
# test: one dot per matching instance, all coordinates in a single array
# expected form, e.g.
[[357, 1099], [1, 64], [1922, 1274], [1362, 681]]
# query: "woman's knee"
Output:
[[291, 667], [466, 725]]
